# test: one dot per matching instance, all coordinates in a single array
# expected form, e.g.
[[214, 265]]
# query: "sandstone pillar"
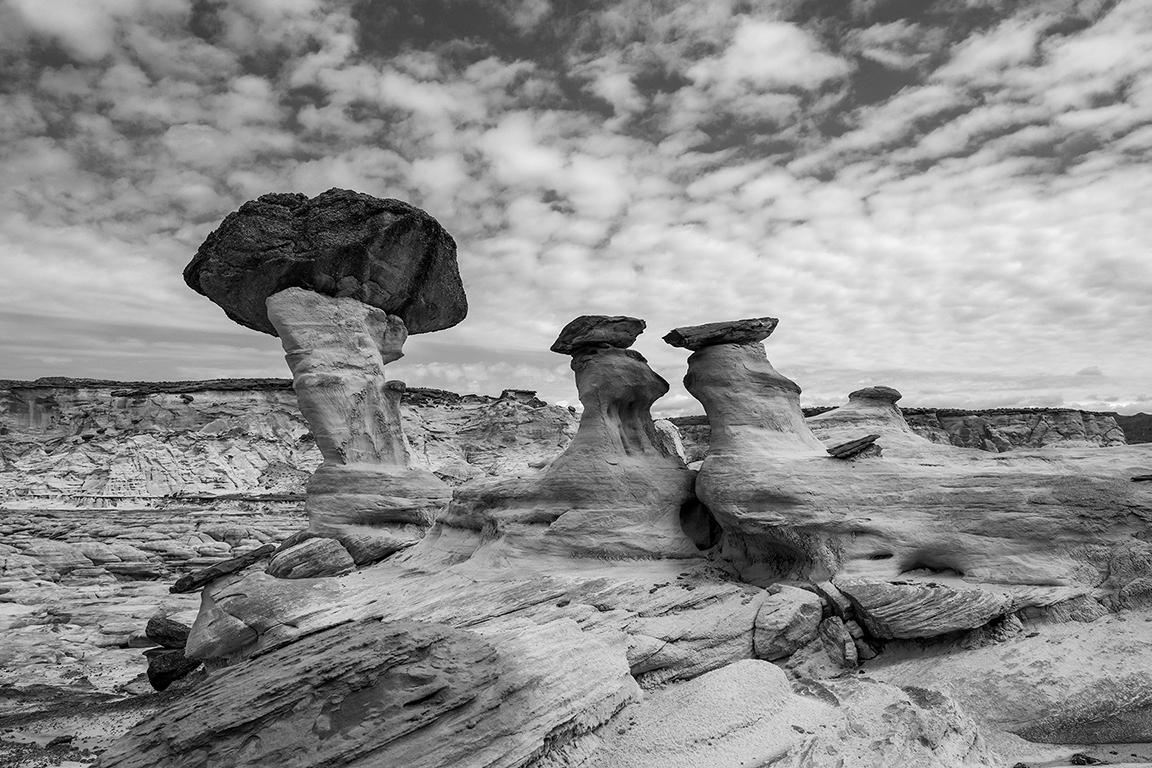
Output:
[[615, 492]]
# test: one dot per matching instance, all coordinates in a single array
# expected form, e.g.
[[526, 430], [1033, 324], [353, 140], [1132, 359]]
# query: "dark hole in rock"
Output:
[[698, 524], [934, 563], [881, 556]]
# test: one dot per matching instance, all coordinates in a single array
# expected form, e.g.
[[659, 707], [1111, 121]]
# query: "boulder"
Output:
[[384, 253], [167, 665], [787, 620], [913, 609], [696, 337], [311, 558], [598, 331]]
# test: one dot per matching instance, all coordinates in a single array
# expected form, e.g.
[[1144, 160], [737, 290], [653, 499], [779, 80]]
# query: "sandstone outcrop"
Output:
[[615, 491], [1005, 429], [408, 693], [869, 410], [892, 610], [1038, 529], [235, 442], [311, 558], [383, 253], [343, 279]]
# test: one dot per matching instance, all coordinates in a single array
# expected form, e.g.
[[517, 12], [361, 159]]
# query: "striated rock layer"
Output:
[[84, 443]]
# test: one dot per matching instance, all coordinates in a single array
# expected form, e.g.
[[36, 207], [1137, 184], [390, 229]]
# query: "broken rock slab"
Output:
[[891, 610], [696, 337], [589, 331], [191, 582], [312, 558]]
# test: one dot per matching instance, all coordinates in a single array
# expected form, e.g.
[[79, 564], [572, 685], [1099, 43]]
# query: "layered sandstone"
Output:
[[86, 443], [615, 491]]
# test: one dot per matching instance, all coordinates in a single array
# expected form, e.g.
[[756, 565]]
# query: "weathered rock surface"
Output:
[[869, 410], [190, 582], [964, 429], [788, 619], [838, 642], [384, 253], [365, 494], [908, 610], [598, 331], [1005, 429], [83, 443], [1070, 683], [167, 665], [312, 558], [696, 337], [861, 447], [746, 714], [167, 632], [398, 693], [616, 490]]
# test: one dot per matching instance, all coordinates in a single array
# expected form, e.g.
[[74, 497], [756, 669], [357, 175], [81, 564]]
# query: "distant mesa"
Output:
[[384, 253], [695, 337], [591, 331]]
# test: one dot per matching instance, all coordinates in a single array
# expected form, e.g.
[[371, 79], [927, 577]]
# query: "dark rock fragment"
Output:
[[167, 665], [193, 581], [697, 337]]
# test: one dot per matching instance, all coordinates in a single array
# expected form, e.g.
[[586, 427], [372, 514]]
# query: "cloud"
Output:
[[965, 233], [768, 56]]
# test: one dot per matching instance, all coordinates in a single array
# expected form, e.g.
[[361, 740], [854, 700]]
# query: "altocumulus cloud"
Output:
[[948, 197]]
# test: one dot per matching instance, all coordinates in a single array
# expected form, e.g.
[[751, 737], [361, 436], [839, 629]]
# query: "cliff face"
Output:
[[101, 443], [995, 430], [1137, 428], [1003, 429], [104, 443]]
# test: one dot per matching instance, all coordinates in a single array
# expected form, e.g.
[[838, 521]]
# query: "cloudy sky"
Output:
[[952, 197]]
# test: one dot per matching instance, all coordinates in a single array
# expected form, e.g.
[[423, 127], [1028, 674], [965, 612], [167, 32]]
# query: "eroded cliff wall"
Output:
[[105, 443], [996, 430]]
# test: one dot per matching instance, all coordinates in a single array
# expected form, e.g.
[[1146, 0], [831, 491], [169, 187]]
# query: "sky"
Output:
[[950, 197]]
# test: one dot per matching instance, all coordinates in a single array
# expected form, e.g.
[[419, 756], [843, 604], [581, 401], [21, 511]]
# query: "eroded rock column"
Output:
[[758, 438], [615, 491], [342, 279]]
